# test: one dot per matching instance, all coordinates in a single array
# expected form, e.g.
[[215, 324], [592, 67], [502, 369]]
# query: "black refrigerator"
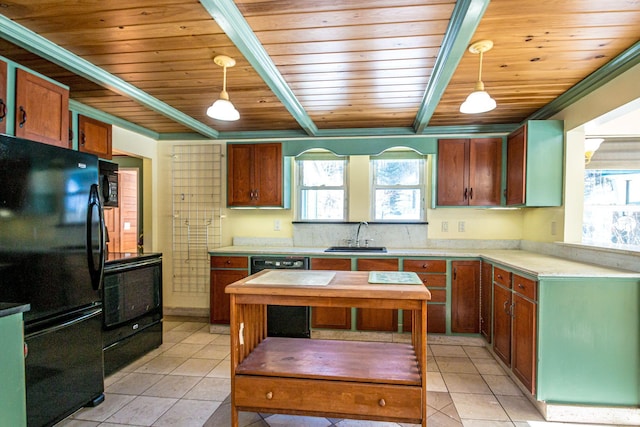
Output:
[[52, 257]]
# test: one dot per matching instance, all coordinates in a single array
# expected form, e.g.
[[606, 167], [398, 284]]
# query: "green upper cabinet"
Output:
[[535, 158]]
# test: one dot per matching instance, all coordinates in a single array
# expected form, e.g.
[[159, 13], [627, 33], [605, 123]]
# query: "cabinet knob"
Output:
[[382, 403], [520, 285], [228, 261], [424, 266], [269, 395]]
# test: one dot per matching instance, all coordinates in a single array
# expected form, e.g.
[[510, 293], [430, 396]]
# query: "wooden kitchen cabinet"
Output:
[[486, 278], [94, 137], [377, 319], [469, 172], [433, 273], [523, 359], [514, 328], [502, 323], [3, 97], [331, 317], [255, 175], [224, 271], [535, 159], [465, 297], [41, 110]]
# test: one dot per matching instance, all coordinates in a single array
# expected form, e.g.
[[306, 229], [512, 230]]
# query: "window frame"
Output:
[[299, 188], [421, 186]]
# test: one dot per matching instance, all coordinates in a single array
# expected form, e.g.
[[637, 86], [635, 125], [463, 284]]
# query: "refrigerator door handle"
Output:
[[96, 270]]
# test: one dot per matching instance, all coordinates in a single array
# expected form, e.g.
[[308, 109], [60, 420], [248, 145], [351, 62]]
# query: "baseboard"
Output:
[[185, 311], [591, 414]]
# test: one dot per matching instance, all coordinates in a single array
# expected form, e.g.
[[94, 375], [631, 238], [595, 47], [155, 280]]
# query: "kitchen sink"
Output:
[[380, 249]]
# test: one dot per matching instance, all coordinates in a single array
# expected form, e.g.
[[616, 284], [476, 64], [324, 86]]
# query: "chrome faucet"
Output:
[[358, 233]]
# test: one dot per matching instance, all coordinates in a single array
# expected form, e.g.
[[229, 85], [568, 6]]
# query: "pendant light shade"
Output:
[[479, 101], [223, 109]]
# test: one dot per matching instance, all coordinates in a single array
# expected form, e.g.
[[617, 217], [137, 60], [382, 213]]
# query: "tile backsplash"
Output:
[[390, 235]]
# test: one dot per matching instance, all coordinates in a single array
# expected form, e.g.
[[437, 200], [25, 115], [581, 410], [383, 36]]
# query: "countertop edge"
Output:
[[531, 263]]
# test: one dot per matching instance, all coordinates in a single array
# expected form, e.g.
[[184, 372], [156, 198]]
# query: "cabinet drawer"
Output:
[[438, 294], [425, 265], [502, 276], [434, 280], [229, 262], [328, 398], [524, 286]]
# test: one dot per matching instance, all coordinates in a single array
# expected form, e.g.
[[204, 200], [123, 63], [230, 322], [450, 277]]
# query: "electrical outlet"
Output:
[[445, 226], [276, 225], [461, 226], [554, 228]]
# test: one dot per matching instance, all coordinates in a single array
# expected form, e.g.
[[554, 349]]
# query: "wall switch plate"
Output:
[[445, 226], [461, 226], [276, 225]]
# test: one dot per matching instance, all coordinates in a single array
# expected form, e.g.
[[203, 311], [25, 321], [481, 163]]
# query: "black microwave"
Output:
[[108, 183]]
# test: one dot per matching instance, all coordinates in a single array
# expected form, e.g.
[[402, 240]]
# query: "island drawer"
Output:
[[425, 265], [502, 277], [328, 398]]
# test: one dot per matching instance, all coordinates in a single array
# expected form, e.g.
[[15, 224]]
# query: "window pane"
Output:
[[398, 204], [611, 208], [397, 172], [318, 173], [322, 204]]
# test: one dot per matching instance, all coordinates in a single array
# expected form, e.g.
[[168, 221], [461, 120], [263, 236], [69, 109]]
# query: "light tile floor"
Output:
[[182, 384]]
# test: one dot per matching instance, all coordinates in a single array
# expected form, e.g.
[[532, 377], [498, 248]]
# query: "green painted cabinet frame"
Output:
[[543, 164]]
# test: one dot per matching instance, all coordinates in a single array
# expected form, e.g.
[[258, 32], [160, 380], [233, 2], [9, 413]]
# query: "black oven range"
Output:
[[132, 300]]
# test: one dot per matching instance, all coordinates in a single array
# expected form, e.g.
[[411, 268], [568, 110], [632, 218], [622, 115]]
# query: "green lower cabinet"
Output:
[[589, 341], [13, 407]]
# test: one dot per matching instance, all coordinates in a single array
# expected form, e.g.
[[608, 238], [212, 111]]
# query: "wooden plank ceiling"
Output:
[[361, 64]]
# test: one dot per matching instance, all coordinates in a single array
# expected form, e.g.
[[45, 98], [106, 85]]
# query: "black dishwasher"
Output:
[[282, 320]]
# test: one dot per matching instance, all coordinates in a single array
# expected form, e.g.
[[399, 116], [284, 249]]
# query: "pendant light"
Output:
[[223, 109], [479, 100], [590, 147]]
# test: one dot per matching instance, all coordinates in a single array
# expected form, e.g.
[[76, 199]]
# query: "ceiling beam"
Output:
[[231, 21], [464, 20], [27, 39]]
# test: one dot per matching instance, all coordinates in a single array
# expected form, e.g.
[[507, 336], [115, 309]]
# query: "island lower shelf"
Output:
[[372, 380]]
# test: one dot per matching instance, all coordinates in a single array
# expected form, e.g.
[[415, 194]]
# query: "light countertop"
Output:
[[533, 263]]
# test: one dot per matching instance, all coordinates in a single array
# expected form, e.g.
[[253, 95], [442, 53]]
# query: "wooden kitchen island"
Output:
[[383, 381]]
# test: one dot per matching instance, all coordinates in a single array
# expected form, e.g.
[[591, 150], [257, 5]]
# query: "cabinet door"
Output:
[[42, 110], [516, 166], [94, 137], [524, 341], [219, 303], [3, 97], [377, 319], [485, 300], [502, 323], [331, 317], [453, 172], [268, 174], [485, 171], [465, 297], [240, 175]]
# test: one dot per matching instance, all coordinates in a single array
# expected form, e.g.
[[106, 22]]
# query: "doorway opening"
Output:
[[122, 222]]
